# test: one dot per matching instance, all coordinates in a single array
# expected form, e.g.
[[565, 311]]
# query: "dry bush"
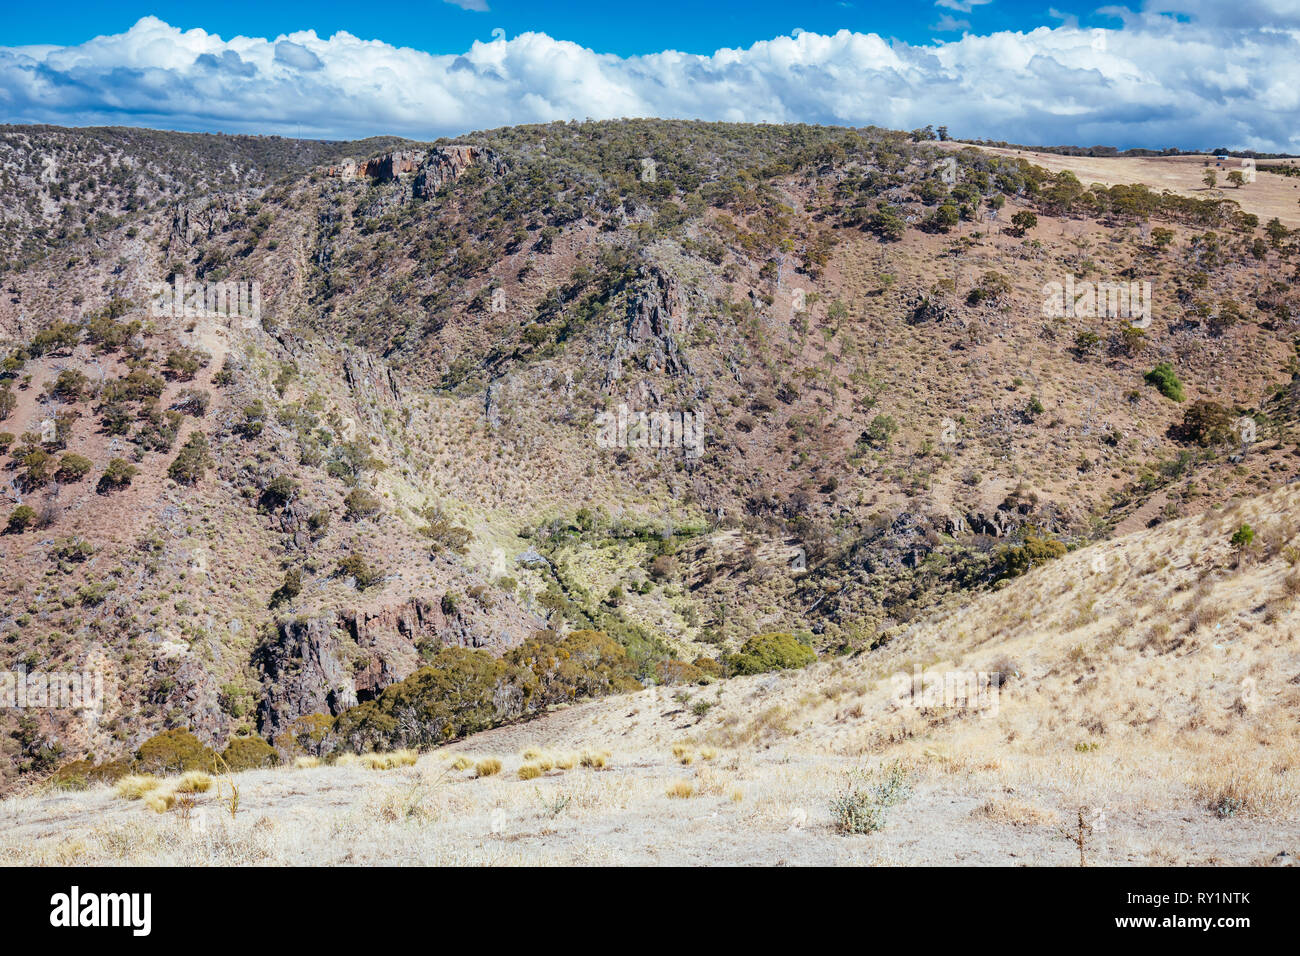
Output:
[[487, 767], [681, 789], [1015, 812]]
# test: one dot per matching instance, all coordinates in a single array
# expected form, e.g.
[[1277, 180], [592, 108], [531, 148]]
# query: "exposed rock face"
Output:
[[329, 663], [446, 164], [656, 317], [303, 672], [394, 165], [370, 377]]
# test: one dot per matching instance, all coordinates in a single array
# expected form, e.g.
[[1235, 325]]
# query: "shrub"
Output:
[[361, 504], [1022, 222], [8, 402], [880, 432], [1165, 381], [71, 549], [73, 468], [193, 460], [249, 753], [355, 566], [118, 474], [279, 491], [173, 751], [861, 805], [529, 771], [184, 363], [1035, 550], [20, 519], [1206, 423], [769, 652], [487, 767], [192, 401], [445, 532]]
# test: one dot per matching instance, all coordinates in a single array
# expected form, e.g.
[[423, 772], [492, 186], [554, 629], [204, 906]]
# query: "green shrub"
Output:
[[1035, 550], [1206, 423], [881, 431], [249, 753], [1164, 379], [73, 468], [355, 566], [118, 474], [173, 751], [361, 504], [20, 519], [861, 805], [193, 460], [770, 652], [279, 491]]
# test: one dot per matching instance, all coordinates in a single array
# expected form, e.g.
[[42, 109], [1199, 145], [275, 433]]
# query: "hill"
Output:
[[427, 448]]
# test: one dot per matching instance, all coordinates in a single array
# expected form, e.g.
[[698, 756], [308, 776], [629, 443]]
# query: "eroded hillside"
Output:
[[407, 449]]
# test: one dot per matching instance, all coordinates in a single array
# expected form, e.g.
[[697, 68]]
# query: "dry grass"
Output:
[[1015, 812], [487, 767], [196, 781], [135, 786], [681, 789]]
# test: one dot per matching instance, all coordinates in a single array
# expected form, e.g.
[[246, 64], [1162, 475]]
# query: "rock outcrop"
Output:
[[394, 165], [446, 164], [329, 663]]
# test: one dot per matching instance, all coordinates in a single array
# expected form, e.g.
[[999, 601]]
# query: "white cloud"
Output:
[[477, 6], [948, 24], [961, 6], [1156, 82]]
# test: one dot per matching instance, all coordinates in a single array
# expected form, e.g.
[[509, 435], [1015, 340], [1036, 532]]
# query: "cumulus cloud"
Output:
[[1156, 81], [297, 56]]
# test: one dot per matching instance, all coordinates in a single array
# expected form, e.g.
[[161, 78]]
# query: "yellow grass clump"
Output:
[[461, 762], [196, 781], [530, 771], [160, 800], [487, 767], [135, 786], [595, 759], [307, 763], [680, 789], [389, 761]]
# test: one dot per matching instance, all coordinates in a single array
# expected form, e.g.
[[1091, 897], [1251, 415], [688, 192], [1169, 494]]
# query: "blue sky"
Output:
[[1185, 73], [625, 28]]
